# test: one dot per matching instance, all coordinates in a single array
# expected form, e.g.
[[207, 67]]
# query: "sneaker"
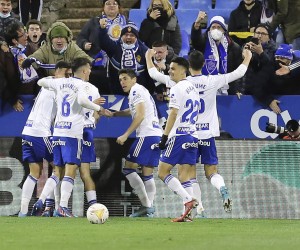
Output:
[[187, 215], [48, 212], [55, 213], [182, 219], [227, 202], [37, 208], [143, 212], [22, 215], [63, 212]]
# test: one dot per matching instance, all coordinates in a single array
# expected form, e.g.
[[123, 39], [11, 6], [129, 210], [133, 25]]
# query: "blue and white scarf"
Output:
[[215, 56], [128, 59], [114, 27], [26, 75]]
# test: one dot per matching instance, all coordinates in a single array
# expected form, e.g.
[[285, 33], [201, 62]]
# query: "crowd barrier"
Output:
[[242, 119]]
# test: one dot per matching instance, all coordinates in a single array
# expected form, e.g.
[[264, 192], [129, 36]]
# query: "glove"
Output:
[[27, 63], [162, 144]]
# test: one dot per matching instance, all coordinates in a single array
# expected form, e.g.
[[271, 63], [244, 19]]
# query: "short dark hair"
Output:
[[62, 65], [196, 60], [34, 21], [292, 125], [182, 62], [12, 31], [79, 62], [129, 72], [159, 44]]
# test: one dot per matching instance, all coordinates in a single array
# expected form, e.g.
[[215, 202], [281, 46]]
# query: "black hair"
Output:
[[12, 31], [34, 21], [129, 72], [79, 62], [196, 60], [182, 62], [62, 65], [159, 44], [292, 125]]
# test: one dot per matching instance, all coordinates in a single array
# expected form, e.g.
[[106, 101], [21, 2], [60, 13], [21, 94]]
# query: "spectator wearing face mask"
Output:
[[161, 24], [221, 54]]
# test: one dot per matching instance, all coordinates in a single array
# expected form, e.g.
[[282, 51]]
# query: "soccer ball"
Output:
[[97, 213]]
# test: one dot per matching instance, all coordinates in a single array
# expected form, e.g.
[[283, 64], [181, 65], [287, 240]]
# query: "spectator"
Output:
[[244, 19], [18, 81], [34, 7], [161, 24], [59, 46], [6, 18], [261, 67], [127, 52], [35, 33], [287, 16], [221, 54], [88, 41]]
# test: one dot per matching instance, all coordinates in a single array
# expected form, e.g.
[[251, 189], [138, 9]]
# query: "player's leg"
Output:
[[147, 176], [29, 185], [89, 184]]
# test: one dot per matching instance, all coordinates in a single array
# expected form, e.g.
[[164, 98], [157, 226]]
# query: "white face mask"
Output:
[[128, 46], [20, 46], [216, 34], [4, 15]]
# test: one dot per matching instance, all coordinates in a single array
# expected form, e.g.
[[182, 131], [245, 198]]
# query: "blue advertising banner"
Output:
[[242, 119]]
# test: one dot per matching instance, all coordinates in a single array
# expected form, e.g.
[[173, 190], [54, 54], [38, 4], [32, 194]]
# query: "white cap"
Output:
[[220, 20]]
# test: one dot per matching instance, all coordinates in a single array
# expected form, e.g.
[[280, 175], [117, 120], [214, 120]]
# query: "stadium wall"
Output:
[[262, 176]]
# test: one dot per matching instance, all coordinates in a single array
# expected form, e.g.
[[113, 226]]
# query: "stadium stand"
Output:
[[137, 16], [186, 18], [145, 4], [194, 4], [185, 47]]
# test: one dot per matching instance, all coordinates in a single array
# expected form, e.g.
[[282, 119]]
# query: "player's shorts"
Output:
[[66, 150], [180, 150], [35, 149], [207, 151], [88, 147], [144, 151]]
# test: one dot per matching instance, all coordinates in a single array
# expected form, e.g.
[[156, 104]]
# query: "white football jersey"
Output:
[[93, 93], [150, 125], [42, 115], [185, 98], [71, 96], [207, 86]]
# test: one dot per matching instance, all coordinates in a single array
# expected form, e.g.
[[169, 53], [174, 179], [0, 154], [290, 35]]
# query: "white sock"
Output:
[[175, 185], [137, 184], [57, 195], [217, 181], [67, 185], [49, 186], [150, 187], [197, 194], [27, 191], [91, 197], [50, 200]]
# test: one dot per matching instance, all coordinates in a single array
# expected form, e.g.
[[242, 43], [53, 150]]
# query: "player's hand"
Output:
[[106, 112], [18, 106], [150, 53], [163, 140], [27, 63], [121, 139], [99, 101]]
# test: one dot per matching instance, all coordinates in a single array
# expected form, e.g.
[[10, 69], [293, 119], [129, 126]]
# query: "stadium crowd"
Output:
[[117, 57]]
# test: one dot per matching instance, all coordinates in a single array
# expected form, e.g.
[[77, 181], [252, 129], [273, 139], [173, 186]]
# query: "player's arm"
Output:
[[171, 120], [152, 70], [47, 83], [84, 101], [125, 112], [136, 122]]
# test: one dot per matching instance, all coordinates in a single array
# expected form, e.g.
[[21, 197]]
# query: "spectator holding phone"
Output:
[[261, 67]]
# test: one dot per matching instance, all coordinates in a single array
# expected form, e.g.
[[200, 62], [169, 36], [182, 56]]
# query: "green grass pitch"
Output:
[[145, 233]]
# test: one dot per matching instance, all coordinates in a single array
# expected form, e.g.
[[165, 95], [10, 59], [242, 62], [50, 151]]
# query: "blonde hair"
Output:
[[167, 6]]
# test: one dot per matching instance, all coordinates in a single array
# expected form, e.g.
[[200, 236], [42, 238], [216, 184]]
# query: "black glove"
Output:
[[162, 144], [27, 63]]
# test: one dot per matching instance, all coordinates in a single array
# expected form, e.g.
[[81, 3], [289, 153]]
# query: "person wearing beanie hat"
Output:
[[221, 54], [284, 54], [111, 2], [59, 31], [130, 28], [266, 27]]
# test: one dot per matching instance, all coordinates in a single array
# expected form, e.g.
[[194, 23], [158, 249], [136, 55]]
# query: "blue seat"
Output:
[[185, 48], [227, 4], [225, 13], [137, 16], [145, 4], [186, 18], [194, 4]]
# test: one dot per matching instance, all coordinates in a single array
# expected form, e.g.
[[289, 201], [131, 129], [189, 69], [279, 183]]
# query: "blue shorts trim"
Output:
[[66, 150], [144, 151], [207, 151], [35, 149], [88, 146], [180, 150]]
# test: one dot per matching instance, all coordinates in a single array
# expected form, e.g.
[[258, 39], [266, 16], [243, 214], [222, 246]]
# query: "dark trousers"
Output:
[[30, 6]]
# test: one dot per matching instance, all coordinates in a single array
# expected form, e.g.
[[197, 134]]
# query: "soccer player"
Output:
[[144, 151], [36, 137], [71, 97], [179, 140], [207, 123]]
